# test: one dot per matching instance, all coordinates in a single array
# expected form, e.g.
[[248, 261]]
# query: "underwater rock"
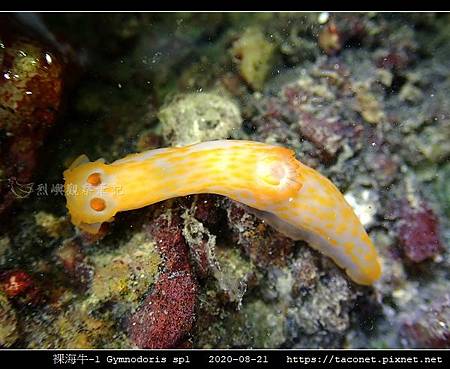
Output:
[[5, 249], [312, 105], [254, 55], [429, 327], [260, 326], [393, 60], [113, 282], [318, 116], [200, 240], [394, 273], [201, 250], [419, 232], [148, 141], [222, 262], [207, 210], [75, 327], [322, 319], [8, 323], [21, 286], [198, 117], [273, 126], [75, 263], [328, 135], [433, 142], [255, 324], [314, 298], [398, 49], [305, 272], [443, 188], [299, 43], [31, 84], [410, 93], [383, 165], [235, 274], [263, 244]]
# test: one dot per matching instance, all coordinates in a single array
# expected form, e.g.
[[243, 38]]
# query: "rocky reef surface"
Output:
[[361, 97]]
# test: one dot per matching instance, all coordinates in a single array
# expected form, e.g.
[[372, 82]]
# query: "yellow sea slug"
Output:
[[293, 198]]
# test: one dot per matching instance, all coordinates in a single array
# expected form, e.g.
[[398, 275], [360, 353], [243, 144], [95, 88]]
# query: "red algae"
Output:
[[16, 283], [170, 242], [19, 285], [167, 314], [419, 232]]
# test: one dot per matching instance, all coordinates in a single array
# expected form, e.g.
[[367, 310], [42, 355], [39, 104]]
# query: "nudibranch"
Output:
[[290, 196]]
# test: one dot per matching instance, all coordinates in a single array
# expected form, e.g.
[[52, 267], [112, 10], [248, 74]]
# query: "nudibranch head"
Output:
[[88, 192]]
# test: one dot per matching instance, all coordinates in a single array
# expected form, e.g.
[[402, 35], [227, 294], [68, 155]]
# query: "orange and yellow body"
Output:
[[293, 198]]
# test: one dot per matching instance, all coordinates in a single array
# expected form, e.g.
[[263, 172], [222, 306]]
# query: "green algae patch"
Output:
[[257, 325], [126, 274], [120, 279]]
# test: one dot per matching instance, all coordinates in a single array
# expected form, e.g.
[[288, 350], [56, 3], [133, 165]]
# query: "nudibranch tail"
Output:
[[290, 196]]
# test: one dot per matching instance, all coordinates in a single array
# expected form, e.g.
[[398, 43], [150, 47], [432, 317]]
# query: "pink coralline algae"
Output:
[[384, 165], [167, 315], [419, 232], [429, 328], [328, 135], [15, 283]]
